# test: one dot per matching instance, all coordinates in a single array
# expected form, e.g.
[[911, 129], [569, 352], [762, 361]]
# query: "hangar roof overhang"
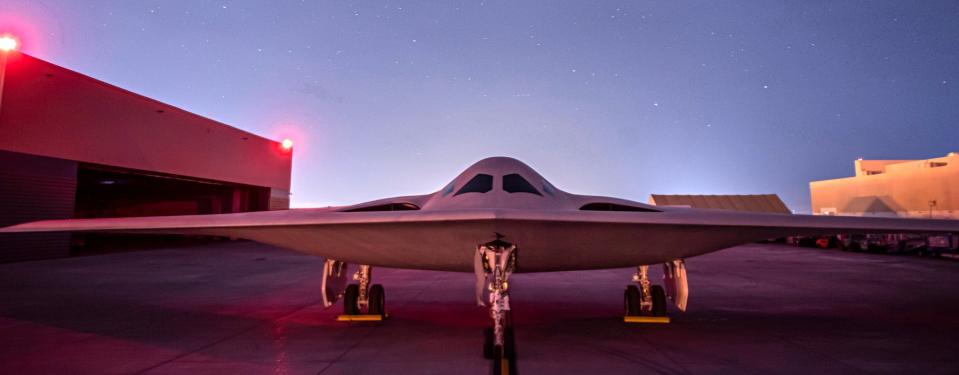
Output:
[[768, 203], [52, 111]]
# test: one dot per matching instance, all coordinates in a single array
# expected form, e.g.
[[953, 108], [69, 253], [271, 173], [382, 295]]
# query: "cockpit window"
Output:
[[480, 183], [514, 183], [448, 189], [387, 207], [549, 189], [603, 206]]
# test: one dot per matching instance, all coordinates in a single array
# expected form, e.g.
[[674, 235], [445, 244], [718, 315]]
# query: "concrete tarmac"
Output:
[[245, 308]]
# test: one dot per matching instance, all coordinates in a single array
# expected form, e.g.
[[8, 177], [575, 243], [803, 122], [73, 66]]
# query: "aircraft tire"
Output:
[[497, 361], [350, 296], [509, 343], [632, 300], [659, 300], [488, 343], [377, 300]]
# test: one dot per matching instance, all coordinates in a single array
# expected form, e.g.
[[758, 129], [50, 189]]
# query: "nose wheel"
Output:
[[490, 349], [493, 264], [503, 358]]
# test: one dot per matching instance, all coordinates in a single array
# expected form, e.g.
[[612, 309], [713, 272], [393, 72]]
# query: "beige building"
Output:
[[909, 188]]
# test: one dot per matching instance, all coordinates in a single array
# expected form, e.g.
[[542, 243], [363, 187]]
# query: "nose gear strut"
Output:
[[493, 264]]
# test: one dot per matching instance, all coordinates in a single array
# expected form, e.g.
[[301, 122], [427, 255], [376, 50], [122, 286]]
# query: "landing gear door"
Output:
[[334, 281], [674, 277]]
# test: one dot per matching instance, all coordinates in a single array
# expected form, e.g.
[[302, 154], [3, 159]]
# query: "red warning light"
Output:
[[287, 144], [8, 43]]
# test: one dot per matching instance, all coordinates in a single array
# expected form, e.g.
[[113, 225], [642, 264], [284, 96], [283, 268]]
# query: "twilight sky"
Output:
[[609, 98]]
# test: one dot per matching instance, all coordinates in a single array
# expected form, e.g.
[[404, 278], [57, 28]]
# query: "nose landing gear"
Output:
[[493, 264]]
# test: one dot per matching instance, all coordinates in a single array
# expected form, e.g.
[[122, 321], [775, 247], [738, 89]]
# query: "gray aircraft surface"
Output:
[[498, 217]]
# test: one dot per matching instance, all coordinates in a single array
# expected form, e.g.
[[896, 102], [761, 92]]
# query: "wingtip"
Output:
[[31, 227], [10, 229], [17, 228]]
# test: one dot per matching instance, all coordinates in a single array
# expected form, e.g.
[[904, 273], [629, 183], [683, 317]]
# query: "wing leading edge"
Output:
[[549, 240]]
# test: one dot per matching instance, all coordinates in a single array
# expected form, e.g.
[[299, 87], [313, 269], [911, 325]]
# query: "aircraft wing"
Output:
[[402, 239], [549, 240], [597, 240]]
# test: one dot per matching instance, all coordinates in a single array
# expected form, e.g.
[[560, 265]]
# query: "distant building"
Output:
[[769, 203], [907, 188], [75, 147]]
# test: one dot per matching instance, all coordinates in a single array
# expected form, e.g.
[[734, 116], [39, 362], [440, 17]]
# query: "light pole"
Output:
[[8, 44]]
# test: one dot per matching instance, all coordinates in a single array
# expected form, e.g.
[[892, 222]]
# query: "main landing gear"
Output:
[[363, 296], [361, 301], [644, 302], [493, 264]]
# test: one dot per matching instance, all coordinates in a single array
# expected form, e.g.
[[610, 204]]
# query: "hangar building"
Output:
[[908, 188], [768, 203], [75, 147]]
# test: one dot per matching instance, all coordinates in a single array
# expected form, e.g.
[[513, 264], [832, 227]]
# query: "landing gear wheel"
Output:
[[501, 365], [510, 349], [659, 300], [509, 343], [377, 300], [350, 297], [504, 358], [488, 343], [632, 300]]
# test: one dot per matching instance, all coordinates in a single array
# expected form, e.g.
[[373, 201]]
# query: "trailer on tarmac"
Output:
[[899, 243]]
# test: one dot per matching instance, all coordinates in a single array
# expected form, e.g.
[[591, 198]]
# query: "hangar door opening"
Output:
[[115, 192]]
